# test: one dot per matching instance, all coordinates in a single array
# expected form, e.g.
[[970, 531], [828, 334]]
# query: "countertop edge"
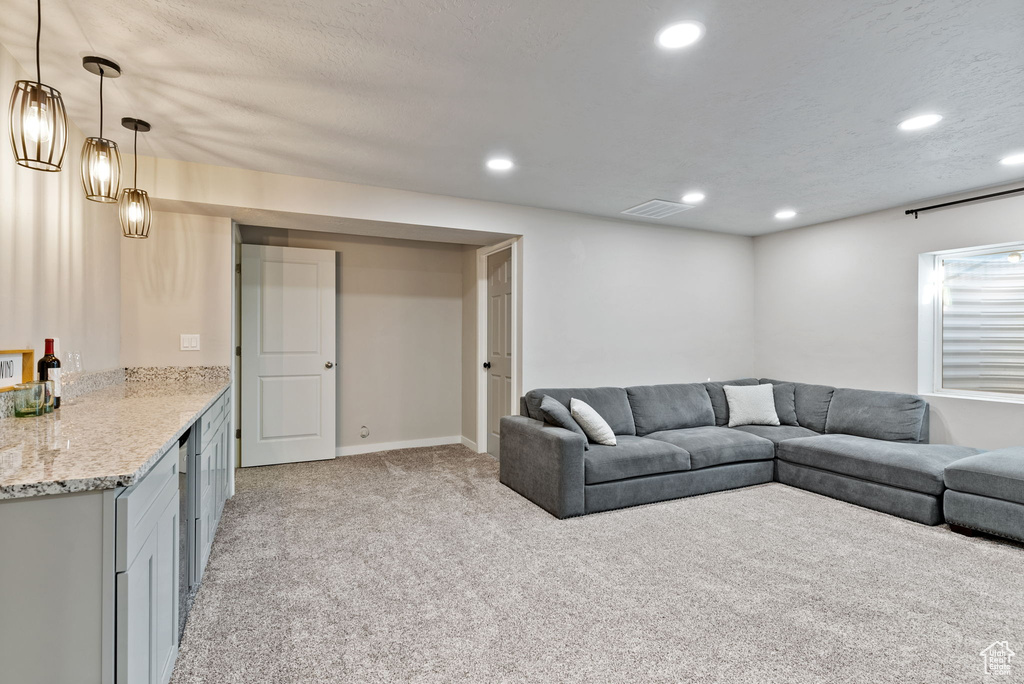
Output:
[[56, 487], [140, 472]]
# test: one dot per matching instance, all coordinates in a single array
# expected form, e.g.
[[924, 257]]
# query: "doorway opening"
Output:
[[411, 323]]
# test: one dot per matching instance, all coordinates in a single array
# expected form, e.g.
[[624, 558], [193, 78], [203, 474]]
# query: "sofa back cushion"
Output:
[[810, 403], [785, 402], [718, 400], [669, 407], [610, 402], [890, 416]]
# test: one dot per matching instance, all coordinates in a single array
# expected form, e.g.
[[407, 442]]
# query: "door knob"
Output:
[[487, 364], [329, 364]]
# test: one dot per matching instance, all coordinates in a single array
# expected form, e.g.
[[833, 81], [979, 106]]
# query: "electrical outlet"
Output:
[[190, 343]]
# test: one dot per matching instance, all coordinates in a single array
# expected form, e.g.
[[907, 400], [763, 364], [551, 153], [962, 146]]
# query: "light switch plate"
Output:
[[190, 343]]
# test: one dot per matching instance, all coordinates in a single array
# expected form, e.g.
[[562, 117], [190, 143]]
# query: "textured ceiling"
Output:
[[785, 103]]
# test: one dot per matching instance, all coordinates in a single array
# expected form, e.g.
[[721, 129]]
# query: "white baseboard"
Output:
[[389, 446], [468, 443]]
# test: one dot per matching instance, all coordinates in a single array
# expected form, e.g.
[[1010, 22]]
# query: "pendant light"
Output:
[[101, 160], [39, 124], [133, 207]]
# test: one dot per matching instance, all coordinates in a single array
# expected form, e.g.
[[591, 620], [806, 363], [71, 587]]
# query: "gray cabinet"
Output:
[[147, 600], [148, 550], [211, 473], [89, 581]]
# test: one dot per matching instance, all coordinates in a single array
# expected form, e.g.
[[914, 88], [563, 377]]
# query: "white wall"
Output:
[[400, 335], [177, 281], [59, 254], [608, 303], [605, 302], [838, 303]]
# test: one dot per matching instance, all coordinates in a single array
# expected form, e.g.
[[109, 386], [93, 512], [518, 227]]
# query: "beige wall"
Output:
[[838, 304], [177, 281], [400, 335], [470, 368], [59, 254]]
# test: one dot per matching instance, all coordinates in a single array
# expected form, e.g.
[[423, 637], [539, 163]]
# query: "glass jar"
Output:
[[51, 394], [30, 399]]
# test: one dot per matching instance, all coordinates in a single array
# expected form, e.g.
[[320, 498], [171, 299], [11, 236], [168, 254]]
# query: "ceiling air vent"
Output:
[[657, 209]]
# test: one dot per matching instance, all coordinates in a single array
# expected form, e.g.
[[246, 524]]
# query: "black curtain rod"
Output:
[[908, 212]]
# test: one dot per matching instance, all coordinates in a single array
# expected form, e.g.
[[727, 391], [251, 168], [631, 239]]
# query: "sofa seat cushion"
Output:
[[712, 446], [996, 474], [632, 457], [917, 467], [777, 433]]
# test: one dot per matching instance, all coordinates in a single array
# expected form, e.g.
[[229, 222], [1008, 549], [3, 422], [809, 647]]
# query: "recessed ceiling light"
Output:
[[1012, 160], [785, 214], [500, 164], [916, 123], [680, 35], [693, 198]]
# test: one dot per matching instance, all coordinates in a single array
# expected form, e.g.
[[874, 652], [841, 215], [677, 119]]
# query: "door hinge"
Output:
[[238, 351], [238, 433], [238, 268]]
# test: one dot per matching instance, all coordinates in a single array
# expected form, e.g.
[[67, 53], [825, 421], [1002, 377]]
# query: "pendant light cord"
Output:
[[101, 102], [136, 145], [39, 33]]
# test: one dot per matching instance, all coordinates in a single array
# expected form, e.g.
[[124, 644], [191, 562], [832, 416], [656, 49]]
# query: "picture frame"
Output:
[[16, 366]]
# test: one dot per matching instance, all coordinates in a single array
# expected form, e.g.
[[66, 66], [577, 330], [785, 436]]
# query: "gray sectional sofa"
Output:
[[863, 447]]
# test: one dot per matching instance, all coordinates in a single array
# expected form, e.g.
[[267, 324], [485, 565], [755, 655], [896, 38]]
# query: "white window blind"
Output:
[[982, 322]]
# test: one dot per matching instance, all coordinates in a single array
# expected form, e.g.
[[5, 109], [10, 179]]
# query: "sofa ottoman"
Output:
[[898, 478], [986, 492]]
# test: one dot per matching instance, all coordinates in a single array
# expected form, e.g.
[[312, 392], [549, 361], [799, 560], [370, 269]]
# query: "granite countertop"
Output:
[[105, 439]]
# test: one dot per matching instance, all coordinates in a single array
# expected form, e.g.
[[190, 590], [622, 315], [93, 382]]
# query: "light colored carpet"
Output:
[[418, 565]]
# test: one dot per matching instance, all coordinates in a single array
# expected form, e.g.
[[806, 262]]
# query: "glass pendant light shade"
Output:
[[39, 126], [135, 213], [101, 169], [101, 161]]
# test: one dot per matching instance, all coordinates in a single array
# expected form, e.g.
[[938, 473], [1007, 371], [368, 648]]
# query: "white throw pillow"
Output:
[[751, 405], [597, 429]]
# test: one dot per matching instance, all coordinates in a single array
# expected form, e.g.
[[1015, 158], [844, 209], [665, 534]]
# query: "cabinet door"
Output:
[[217, 474], [147, 604], [206, 509], [225, 466]]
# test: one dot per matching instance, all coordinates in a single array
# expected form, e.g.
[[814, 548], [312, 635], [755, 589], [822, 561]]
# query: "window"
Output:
[[976, 298]]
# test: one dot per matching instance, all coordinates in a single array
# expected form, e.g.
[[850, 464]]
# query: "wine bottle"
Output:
[[49, 369]]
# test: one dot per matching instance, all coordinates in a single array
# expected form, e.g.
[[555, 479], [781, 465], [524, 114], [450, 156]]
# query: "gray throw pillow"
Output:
[[556, 413]]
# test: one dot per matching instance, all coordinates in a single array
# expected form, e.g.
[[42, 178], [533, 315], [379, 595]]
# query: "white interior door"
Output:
[[288, 347], [499, 344]]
